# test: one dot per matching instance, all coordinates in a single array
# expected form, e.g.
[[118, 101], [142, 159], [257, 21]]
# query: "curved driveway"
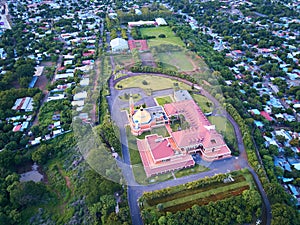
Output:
[[222, 166]]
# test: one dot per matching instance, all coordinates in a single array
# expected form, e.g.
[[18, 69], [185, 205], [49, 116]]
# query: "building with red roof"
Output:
[[164, 154], [17, 128], [158, 155], [201, 136], [266, 115]]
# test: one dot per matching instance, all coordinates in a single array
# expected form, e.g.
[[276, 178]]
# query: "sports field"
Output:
[[156, 31]]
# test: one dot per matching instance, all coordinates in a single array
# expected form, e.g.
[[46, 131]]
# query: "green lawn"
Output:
[[188, 171], [140, 176], [225, 128], [204, 103], [177, 59], [156, 31], [151, 83], [164, 100], [133, 150]]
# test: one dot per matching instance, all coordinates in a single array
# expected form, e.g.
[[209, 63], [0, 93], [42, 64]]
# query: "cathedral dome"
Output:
[[141, 116]]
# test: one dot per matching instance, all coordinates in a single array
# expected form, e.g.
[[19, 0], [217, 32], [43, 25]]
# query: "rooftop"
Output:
[[159, 147]]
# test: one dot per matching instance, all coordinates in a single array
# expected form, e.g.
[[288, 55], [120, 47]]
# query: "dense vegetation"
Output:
[[243, 207]]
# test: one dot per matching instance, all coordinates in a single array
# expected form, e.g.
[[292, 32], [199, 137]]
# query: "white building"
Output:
[[160, 21], [80, 96], [23, 104], [63, 76], [118, 45]]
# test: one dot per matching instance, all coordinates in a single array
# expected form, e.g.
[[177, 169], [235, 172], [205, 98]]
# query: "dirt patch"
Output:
[[147, 59], [67, 179], [47, 63], [68, 182], [41, 83]]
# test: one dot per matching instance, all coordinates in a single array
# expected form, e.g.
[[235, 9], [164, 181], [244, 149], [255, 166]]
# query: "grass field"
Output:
[[181, 197], [224, 127], [164, 100], [123, 60], [156, 31], [204, 103], [177, 59], [151, 83]]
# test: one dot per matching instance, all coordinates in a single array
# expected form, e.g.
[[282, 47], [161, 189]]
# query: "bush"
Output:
[[162, 36]]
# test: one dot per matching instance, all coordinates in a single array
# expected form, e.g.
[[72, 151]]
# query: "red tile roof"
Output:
[[152, 168], [17, 128], [200, 132], [141, 45], [266, 115], [159, 147]]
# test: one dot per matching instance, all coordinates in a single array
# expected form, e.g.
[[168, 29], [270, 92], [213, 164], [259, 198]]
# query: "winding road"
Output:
[[136, 190]]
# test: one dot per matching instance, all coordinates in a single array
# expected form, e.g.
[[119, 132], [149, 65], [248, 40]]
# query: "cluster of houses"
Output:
[[86, 22], [75, 62], [275, 110]]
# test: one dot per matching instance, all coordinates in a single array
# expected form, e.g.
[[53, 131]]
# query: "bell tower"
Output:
[[131, 105]]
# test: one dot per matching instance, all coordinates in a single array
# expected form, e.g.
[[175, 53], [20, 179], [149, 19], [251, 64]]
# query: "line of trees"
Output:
[[241, 209]]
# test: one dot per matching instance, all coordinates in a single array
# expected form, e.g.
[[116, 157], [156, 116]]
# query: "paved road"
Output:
[[223, 166]]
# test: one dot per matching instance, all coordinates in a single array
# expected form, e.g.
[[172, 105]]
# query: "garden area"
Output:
[[163, 100], [199, 192], [188, 171], [126, 96], [160, 35], [207, 194], [179, 124]]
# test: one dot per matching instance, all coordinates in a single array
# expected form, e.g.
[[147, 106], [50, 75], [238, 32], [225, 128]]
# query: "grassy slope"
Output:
[[225, 127], [177, 59]]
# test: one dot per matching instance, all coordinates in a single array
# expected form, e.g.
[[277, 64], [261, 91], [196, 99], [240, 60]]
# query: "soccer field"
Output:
[[170, 38]]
